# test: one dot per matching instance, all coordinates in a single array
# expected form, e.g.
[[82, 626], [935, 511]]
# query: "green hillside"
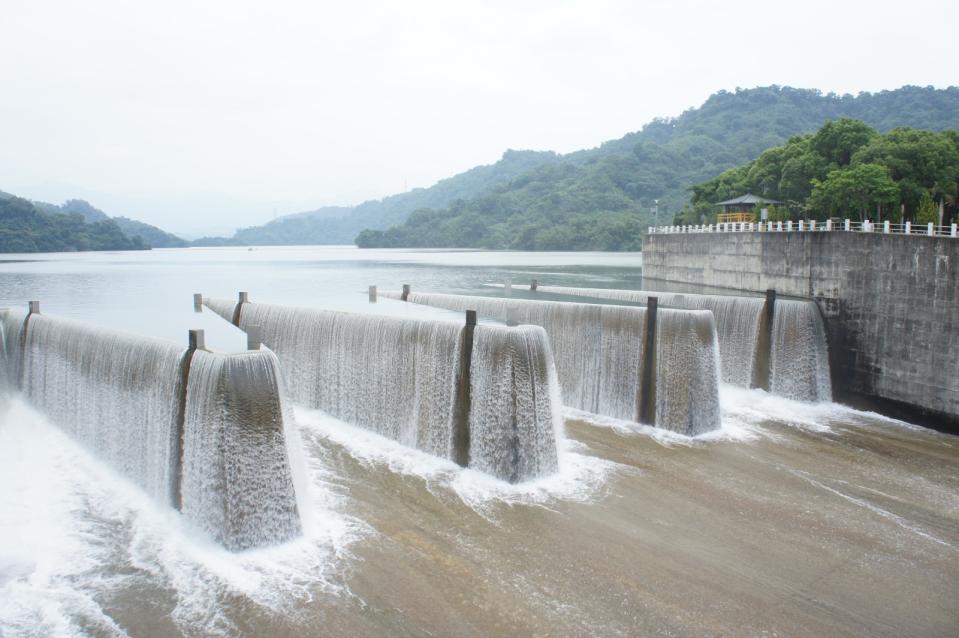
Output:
[[73, 225], [26, 228], [601, 199], [151, 235]]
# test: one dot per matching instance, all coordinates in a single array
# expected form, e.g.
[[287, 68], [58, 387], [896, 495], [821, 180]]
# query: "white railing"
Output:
[[811, 225]]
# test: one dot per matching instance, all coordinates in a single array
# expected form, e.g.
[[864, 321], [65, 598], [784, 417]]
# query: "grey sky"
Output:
[[204, 116]]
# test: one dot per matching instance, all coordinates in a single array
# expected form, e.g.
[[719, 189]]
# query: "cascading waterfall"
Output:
[[349, 366], [11, 332], [237, 482], [599, 356], [687, 371], [112, 392], [795, 373], [800, 357], [120, 396], [399, 377], [513, 433]]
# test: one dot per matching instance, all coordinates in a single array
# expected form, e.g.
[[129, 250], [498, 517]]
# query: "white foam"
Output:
[[752, 408], [73, 528], [731, 430], [581, 476]]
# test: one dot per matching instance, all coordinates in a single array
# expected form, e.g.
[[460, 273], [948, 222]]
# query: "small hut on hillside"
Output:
[[742, 208]]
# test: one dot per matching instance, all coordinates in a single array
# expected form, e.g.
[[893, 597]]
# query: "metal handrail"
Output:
[[811, 225]]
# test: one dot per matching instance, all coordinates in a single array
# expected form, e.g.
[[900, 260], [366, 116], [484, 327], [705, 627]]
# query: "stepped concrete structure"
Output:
[[891, 305]]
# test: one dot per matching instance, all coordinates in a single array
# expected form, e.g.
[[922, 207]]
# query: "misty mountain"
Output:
[[340, 225], [151, 235], [602, 198]]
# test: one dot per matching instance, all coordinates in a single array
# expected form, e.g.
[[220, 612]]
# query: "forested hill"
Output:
[[340, 225], [27, 226], [151, 235], [601, 199]]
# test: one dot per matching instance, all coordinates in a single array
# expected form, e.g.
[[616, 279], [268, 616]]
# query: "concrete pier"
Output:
[[254, 337], [463, 399], [647, 380], [242, 298], [762, 366], [195, 341]]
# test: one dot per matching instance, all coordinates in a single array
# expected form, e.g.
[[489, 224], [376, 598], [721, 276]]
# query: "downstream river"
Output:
[[794, 519]]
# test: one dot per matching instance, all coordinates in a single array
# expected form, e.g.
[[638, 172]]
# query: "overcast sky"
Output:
[[204, 116]]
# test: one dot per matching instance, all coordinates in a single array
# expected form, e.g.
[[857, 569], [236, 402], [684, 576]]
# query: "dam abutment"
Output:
[[890, 303]]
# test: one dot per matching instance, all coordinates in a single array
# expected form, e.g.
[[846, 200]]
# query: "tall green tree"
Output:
[[838, 141], [862, 188]]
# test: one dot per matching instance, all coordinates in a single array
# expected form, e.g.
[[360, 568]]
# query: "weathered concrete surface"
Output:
[[891, 303]]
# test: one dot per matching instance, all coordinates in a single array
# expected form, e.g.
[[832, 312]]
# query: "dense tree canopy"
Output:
[[862, 188], [846, 169]]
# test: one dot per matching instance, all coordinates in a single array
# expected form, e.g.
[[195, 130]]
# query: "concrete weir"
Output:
[[771, 343], [200, 431], [637, 364], [890, 302], [482, 396]]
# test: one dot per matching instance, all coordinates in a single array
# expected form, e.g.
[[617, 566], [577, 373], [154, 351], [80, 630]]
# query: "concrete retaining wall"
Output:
[[891, 303]]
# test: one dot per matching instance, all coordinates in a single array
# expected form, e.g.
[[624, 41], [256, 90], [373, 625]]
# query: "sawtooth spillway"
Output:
[[199, 431], [793, 364], [483, 396], [601, 357]]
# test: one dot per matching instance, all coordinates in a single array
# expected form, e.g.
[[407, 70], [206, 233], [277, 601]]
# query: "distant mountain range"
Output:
[[340, 225], [604, 198], [595, 199]]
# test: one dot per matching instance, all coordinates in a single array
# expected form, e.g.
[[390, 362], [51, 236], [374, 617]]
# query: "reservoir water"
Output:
[[793, 519]]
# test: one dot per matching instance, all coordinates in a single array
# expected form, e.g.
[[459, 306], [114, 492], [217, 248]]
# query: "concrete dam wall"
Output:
[[891, 304]]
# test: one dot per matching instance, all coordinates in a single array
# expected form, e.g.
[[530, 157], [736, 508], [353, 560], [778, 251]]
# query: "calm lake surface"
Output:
[[793, 520]]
